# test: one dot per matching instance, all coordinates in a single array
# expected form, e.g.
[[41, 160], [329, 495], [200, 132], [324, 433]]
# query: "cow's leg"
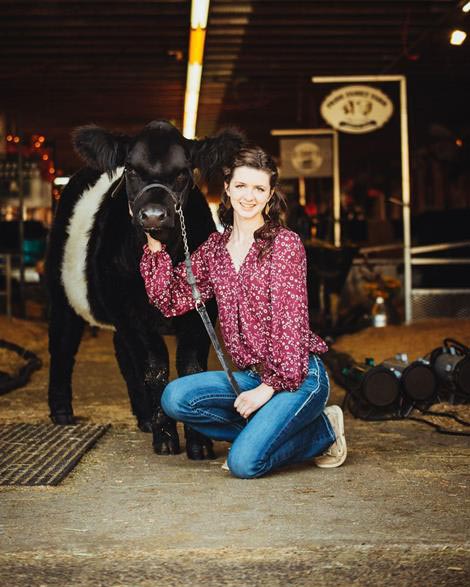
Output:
[[143, 361], [133, 376], [191, 357], [65, 333], [165, 434]]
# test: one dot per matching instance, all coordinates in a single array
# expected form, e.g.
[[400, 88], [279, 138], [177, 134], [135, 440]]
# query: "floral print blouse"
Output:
[[263, 310]]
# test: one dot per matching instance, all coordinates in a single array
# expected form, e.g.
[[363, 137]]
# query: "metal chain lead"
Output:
[[200, 306], [179, 211], [187, 260]]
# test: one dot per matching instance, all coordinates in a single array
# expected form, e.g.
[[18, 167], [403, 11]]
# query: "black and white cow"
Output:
[[92, 267]]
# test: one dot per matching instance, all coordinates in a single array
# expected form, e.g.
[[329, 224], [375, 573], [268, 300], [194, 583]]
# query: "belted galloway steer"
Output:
[[130, 185]]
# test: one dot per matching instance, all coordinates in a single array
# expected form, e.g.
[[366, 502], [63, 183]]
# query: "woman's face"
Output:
[[249, 191]]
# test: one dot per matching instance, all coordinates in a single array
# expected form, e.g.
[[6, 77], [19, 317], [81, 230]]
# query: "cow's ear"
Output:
[[99, 148], [212, 154]]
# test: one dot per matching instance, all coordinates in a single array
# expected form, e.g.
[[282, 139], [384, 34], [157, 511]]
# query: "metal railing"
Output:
[[415, 260]]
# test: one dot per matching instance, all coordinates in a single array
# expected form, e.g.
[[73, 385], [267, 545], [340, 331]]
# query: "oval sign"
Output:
[[356, 109]]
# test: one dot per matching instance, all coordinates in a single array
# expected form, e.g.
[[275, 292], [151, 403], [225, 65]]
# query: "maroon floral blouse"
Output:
[[263, 310]]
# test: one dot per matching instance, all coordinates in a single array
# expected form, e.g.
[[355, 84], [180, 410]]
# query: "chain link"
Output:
[[184, 235]]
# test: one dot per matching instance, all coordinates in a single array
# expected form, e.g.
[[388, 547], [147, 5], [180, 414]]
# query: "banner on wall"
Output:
[[307, 156], [356, 109]]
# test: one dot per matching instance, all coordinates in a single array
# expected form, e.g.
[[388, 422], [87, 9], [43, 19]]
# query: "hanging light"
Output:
[[466, 7], [199, 14], [197, 38]]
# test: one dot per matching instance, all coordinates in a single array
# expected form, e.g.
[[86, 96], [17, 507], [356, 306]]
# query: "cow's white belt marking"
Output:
[[76, 246]]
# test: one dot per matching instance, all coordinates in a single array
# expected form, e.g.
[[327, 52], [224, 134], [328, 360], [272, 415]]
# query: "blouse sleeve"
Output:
[[167, 287], [287, 364]]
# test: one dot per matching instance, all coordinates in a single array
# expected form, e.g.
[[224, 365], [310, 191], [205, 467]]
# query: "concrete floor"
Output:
[[396, 512]]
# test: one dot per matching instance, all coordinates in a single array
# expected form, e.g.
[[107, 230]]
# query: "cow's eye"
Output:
[[131, 172]]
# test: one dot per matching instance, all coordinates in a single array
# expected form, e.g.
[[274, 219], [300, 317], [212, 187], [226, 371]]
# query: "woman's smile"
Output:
[[249, 191]]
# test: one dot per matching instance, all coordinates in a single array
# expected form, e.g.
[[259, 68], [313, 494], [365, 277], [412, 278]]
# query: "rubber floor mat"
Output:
[[43, 454]]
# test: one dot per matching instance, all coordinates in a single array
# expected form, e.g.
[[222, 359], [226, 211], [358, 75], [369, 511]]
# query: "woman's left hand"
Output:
[[250, 401]]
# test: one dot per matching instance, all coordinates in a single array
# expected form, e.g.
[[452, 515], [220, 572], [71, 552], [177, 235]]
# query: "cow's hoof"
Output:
[[165, 435], [198, 446], [63, 419], [200, 452], [166, 444], [144, 425]]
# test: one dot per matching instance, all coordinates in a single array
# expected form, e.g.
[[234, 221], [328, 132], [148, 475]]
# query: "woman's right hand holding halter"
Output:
[[154, 245]]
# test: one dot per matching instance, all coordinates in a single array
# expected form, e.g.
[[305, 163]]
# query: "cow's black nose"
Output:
[[152, 216]]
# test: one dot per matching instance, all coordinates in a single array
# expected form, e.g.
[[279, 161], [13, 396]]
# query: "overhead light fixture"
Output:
[[466, 7], [197, 39], [457, 37], [193, 85], [199, 13], [193, 78]]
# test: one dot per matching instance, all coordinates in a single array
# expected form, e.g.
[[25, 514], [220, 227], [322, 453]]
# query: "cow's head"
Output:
[[158, 167]]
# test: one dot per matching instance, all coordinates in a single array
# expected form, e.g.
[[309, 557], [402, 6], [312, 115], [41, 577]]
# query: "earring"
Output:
[[266, 210]]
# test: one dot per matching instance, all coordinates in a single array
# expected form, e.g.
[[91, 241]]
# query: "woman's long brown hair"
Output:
[[256, 158]]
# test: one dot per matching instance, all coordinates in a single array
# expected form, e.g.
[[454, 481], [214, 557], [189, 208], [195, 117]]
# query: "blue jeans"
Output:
[[290, 428]]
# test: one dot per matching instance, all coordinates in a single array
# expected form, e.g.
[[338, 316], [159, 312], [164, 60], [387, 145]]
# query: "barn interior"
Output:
[[381, 202]]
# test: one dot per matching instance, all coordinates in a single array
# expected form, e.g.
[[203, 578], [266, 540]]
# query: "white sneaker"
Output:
[[337, 452]]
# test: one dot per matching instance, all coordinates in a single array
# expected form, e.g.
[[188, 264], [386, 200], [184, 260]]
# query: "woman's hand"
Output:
[[250, 401], [154, 245]]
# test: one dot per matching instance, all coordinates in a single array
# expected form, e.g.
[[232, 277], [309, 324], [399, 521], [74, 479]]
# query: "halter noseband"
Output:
[[176, 197]]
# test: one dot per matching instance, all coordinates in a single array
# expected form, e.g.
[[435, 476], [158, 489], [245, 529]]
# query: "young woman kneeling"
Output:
[[256, 269]]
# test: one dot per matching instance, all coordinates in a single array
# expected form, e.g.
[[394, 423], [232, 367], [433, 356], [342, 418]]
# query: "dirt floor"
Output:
[[397, 511]]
